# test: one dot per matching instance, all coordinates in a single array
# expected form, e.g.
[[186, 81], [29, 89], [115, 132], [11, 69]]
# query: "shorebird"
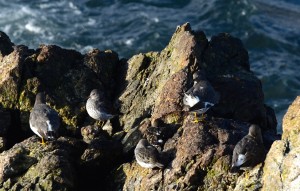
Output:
[[96, 106], [250, 150], [201, 96], [43, 120], [156, 134], [147, 155]]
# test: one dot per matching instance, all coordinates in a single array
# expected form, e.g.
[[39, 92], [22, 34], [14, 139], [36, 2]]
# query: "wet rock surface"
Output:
[[142, 89]]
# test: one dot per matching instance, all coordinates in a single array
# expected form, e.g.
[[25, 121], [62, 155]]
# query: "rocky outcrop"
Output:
[[197, 156], [6, 46], [142, 89], [65, 164], [65, 75], [30, 166], [166, 75], [281, 169]]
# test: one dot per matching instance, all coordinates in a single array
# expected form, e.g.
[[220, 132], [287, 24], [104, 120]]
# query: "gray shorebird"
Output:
[[96, 106], [43, 120], [201, 96], [249, 151], [147, 155]]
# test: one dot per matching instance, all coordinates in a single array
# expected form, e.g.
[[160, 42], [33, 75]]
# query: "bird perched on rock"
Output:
[[249, 151], [96, 106], [147, 155], [154, 134], [158, 133], [43, 120], [201, 96]]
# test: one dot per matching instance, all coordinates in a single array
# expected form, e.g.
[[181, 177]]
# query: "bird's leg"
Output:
[[196, 118], [247, 174], [201, 119], [43, 142], [99, 123]]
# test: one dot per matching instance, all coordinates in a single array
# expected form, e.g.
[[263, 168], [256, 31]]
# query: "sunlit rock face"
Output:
[[147, 87], [281, 170]]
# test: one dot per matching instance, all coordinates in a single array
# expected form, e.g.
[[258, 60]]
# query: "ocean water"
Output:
[[269, 29]]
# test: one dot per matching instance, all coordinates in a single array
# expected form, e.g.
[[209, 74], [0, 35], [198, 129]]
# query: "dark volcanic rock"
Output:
[[142, 89], [99, 158], [227, 65], [5, 118], [225, 54], [6, 46]]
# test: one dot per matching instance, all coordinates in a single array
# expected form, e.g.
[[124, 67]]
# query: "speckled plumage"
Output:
[[147, 155], [43, 120], [250, 150], [96, 106]]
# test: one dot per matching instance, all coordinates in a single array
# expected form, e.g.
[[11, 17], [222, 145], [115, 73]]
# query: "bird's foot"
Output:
[[199, 119], [99, 123], [247, 174]]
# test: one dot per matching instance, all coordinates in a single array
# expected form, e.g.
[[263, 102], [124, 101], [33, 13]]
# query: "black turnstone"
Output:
[[155, 134], [96, 106], [201, 96], [147, 155], [249, 151], [43, 120]]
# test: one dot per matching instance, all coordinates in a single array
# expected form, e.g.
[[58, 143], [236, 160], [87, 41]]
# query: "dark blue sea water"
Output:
[[269, 29]]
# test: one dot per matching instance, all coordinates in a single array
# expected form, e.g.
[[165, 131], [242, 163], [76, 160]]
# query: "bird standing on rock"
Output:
[[249, 151], [96, 106], [147, 155], [43, 120], [201, 97]]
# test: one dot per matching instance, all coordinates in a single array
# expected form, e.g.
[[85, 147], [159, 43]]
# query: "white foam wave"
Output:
[[75, 8], [33, 28], [91, 22], [129, 41], [28, 11], [156, 20]]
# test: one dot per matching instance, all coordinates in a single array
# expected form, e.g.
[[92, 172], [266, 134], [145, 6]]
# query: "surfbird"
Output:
[[97, 107], [201, 96], [43, 120], [249, 151], [147, 155]]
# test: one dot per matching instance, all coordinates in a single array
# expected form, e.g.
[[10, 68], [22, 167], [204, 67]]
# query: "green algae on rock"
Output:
[[62, 73]]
